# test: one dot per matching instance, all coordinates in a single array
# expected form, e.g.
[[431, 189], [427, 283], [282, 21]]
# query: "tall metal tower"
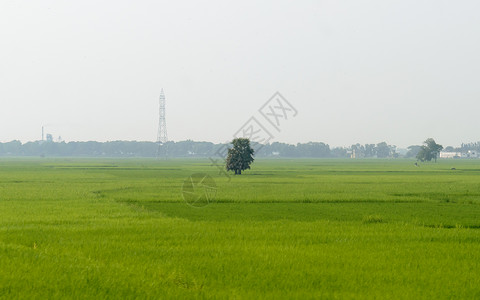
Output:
[[162, 125]]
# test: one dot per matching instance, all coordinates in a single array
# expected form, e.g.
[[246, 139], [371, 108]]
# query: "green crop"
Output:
[[301, 229]]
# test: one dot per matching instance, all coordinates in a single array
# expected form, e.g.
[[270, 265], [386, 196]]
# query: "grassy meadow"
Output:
[[296, 229]]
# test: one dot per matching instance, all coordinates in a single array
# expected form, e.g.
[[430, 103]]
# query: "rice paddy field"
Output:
[[293, 229]]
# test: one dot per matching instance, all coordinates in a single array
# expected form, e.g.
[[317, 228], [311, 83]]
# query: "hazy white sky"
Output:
[[356, 71]]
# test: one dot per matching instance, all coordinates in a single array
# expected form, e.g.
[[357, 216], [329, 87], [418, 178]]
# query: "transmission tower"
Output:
[[162, 126]]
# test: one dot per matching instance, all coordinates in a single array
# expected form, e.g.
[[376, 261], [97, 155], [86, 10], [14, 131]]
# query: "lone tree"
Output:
[[429, 150], [240, 156]]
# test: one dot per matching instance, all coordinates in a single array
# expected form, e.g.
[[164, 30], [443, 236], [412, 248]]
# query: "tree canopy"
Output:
[[429, 150], [240, 156]]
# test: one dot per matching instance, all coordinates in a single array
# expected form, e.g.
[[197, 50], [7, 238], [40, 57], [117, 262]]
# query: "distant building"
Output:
[[473, 154], [469, 154], [351, 153], [450, 154]]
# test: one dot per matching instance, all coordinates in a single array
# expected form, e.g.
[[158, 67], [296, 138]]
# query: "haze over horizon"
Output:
[[356, 71]]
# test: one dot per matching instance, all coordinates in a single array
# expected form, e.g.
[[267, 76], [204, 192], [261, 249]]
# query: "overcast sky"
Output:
[[356, 71]]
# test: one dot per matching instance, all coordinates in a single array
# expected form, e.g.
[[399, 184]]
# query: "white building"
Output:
[[450, 154], [469, 154]]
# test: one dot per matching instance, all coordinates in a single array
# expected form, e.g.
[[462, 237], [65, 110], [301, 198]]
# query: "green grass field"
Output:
[[297, 229]]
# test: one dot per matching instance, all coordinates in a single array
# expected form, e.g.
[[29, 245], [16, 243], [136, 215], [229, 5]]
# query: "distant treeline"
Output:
[[465, 147], [201, 149]]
